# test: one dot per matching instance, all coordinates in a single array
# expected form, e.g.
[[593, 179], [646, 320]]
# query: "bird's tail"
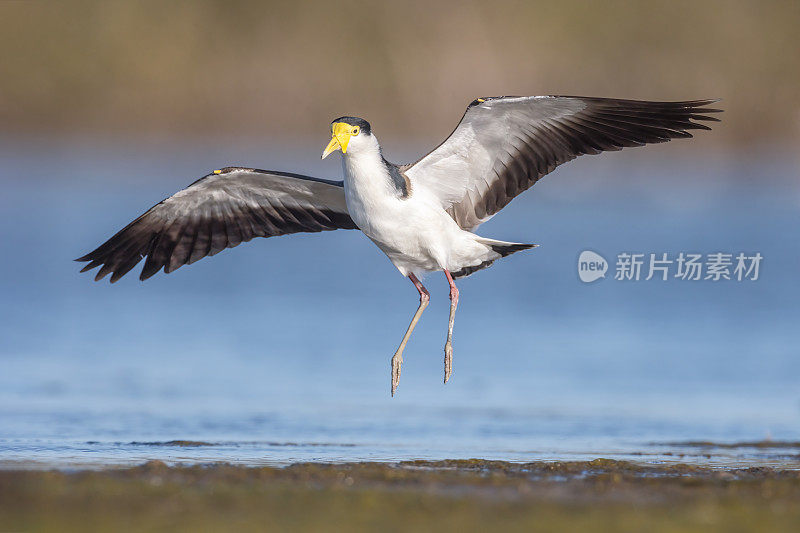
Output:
[[497, 249], [506, 248]]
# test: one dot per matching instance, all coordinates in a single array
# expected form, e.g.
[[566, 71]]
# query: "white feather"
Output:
[[415, 232]]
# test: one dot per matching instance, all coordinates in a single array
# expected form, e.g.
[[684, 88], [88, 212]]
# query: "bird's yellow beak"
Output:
[[340, 138]]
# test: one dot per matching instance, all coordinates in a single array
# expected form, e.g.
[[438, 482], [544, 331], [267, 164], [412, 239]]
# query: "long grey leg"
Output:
[[397, 358], [448, 347]]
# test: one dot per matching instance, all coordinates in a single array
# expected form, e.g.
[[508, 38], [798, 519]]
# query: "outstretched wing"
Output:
[[503, 145], [221, 210]]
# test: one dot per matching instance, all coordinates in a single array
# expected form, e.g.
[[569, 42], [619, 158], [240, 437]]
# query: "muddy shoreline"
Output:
[[599, 495]]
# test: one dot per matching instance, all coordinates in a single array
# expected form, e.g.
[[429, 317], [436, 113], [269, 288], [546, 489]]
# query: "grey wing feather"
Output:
[[503, 145], [221, 210]]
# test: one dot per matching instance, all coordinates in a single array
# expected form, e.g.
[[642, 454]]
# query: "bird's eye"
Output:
[[355, 131]]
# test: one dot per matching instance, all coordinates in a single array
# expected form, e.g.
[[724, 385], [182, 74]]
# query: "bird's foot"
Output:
[[448, 360], [397, 363]]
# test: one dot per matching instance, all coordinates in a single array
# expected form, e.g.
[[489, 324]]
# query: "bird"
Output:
[[422, 215]]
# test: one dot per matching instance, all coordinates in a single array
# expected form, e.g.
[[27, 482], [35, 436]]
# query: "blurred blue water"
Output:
[[278, 350]]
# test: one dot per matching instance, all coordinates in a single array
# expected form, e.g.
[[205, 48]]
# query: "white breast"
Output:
[[415, 231], [368, 190]]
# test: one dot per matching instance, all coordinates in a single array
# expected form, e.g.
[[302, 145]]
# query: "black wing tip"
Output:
[[684, 114], [116, 275], [144, 276], [116, 271], [690, 106], [90, 266], [91, 258]]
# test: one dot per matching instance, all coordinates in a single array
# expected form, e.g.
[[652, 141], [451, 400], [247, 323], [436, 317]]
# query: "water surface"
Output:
[[278, 351]]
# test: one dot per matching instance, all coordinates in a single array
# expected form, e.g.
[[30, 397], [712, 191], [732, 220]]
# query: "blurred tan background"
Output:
[[108, 107], [282, 70]]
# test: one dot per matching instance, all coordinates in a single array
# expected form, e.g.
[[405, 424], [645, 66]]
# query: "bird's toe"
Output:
[[397, 362]]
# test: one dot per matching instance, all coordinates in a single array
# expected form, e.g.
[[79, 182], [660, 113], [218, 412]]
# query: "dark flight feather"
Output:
[[220, 210], [503, 145]]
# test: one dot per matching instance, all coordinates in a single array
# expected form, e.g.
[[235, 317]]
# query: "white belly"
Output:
[[416, 236], [415, 232]]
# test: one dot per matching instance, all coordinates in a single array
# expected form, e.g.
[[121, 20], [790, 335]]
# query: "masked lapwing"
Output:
[[423, 216]]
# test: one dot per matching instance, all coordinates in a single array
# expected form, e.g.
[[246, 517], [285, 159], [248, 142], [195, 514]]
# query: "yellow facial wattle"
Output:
[[340, 138]]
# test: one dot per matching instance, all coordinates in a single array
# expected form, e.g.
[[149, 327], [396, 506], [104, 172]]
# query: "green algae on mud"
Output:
[[465, 495], [736, 445], [199, 443], [178, 443]]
